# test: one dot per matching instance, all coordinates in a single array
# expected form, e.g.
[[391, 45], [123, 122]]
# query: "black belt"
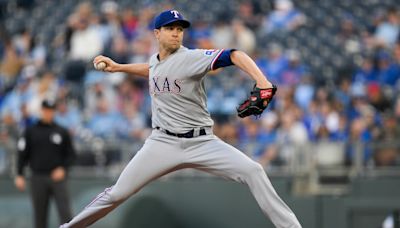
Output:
[[189, 134]]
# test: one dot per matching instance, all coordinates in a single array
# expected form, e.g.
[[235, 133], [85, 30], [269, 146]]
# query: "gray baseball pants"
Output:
[[162, 153]]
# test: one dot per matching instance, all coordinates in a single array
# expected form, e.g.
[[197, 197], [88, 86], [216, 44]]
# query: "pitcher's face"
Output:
[[170, 37]]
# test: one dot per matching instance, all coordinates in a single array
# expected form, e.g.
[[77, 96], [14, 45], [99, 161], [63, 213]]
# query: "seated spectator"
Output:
[[132, 124], [348, 35], [109, 25], [128, 93], [31, 49], [222, 34], [388, 31], [330, 121], [274, 63], [359, 137], [103, 122], [200, 35], [68, 115], [377, 98], [304, 92], [20, 96], [312, 120], [390, 130], [10, 64], [295, 70], [250, 14], [388, 72], [129, 24], [284, 18], [118, 50], [324, 122], [342, 94], [96, 87], [291, 136], [366, 73], [250, 137], [46, 87], [342, 133], [269, 155], [26, 119], [243, 38], [84, 40], [226, 130], [145, 18], [142, 47]]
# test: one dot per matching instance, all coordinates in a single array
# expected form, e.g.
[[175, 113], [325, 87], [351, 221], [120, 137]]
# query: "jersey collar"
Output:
[[182, 48]]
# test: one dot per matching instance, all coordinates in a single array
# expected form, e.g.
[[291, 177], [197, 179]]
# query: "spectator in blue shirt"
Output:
[[366, 73], [15, 99], [284, 18], [295, 70], [274, 64], [103, 122], [388, 72], [68, 116]]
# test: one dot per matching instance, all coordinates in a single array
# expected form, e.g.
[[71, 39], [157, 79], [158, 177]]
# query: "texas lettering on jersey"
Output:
[[165, 85]]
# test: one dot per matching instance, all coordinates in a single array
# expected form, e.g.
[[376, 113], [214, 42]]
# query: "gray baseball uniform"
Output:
[[183, 138]]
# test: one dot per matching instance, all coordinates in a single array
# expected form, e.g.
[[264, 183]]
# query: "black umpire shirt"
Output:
[[45, 147]]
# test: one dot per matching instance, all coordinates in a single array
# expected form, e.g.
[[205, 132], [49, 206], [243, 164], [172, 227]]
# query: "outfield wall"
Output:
[[216, 203]]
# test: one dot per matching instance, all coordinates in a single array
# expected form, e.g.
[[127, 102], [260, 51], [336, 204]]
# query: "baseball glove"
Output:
[[257, 102]]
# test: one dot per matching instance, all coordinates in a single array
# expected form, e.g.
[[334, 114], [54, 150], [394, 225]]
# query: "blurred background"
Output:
[[329, 141]]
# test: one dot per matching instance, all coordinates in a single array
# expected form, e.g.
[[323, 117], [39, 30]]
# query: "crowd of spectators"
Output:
[[361, 104]]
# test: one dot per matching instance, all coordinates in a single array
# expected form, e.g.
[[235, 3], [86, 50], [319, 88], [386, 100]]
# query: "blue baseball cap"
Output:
[[168, 17]]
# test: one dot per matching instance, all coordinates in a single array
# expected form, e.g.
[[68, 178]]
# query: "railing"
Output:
[[316, 168]]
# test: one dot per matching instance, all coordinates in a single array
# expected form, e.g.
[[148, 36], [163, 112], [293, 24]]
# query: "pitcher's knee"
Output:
[[116, 197], [120, 195], [253, 169], [109, 195]]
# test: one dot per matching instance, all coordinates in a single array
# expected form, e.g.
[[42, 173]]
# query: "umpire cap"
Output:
[[168, 17], [49, 104]]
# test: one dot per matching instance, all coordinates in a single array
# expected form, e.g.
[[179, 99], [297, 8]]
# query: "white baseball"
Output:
[[100, 66]]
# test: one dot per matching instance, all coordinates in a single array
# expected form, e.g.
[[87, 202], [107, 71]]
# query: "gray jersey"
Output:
[[176, 84]]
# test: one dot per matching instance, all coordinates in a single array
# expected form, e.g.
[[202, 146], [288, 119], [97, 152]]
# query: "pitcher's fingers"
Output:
[[108, 69], [98, 58]]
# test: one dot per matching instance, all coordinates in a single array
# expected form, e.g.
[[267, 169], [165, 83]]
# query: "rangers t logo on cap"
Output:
[[168, 17], [176, 13]]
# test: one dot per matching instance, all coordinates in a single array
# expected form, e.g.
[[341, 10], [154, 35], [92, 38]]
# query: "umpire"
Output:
[[48, 150]]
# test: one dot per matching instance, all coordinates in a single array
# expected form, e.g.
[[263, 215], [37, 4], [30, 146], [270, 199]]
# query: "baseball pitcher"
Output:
[[182, 135]]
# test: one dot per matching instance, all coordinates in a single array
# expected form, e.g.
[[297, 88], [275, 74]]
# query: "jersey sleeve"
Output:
[[203, 60], [69, 150], [23, 147]]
